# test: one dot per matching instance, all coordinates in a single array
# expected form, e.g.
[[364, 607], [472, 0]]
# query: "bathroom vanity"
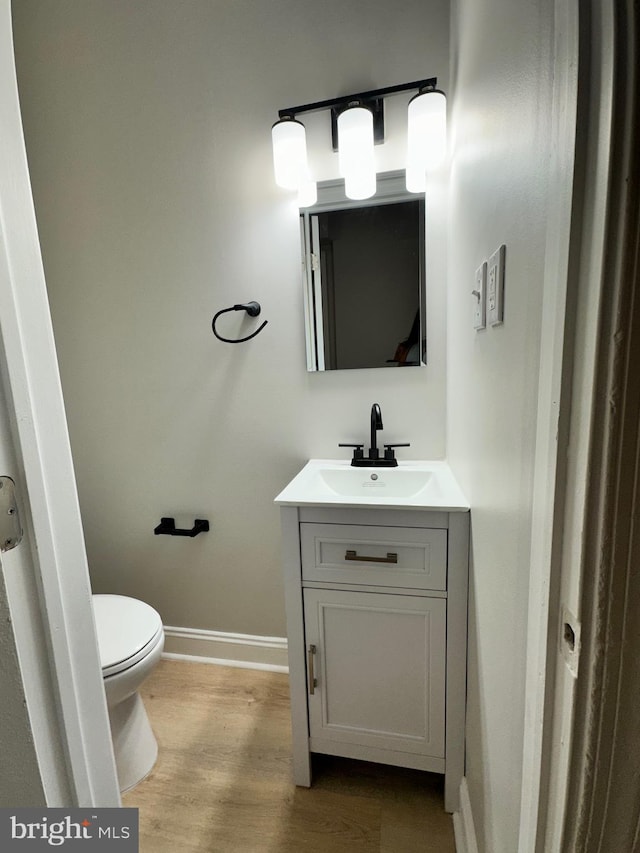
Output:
[[376, 575]]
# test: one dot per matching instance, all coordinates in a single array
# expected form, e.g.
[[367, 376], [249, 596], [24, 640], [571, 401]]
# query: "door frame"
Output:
[[583, 729], [66, 695], [603, 809]]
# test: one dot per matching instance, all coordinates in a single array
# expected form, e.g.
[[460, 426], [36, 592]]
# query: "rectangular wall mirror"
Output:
[[364, 277]]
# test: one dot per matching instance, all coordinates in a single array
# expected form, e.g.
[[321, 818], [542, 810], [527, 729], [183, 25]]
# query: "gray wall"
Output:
[[148, 133], [499, 193]]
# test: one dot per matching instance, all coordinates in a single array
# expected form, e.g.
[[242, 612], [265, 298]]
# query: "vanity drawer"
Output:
[[406, 557]]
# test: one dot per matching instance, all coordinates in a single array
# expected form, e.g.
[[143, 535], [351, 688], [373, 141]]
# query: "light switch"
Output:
[[479, 296], [495, 287]]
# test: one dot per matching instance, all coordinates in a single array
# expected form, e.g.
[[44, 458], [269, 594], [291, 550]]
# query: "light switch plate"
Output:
[[495, 287], [479, 296]]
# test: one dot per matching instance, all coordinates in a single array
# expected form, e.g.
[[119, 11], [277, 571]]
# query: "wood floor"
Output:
[[223, 784]]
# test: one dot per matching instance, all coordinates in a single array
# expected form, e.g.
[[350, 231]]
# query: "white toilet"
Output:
[[130, 641]]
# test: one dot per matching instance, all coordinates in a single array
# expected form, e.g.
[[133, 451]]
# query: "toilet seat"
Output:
[[127, 629]]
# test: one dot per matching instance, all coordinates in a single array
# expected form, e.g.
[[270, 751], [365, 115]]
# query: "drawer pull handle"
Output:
[[390, 558], [313, 681]]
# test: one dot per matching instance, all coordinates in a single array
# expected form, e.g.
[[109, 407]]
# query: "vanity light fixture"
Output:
[[357, 123], [307, 193], [355, 151], [289, 140], [426, 136]]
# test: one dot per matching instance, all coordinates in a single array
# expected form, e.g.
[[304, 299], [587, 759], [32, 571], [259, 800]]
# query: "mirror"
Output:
[[364, 278]]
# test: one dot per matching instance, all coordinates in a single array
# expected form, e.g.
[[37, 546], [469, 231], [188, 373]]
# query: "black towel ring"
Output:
[[252, 309]]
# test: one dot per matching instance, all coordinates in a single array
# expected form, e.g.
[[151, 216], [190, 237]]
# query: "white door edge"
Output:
[[71, 698], [553, 407]]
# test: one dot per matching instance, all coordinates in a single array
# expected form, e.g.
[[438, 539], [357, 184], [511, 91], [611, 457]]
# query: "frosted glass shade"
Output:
[[355, 152], [426, 137], [307, 193], [416, 177], [289, 153]]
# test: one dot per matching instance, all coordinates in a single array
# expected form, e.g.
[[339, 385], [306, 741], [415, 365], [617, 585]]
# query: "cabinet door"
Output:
[[379, 664]]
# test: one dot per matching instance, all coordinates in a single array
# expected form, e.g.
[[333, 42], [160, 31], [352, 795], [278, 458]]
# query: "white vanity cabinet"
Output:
[[376, 614]]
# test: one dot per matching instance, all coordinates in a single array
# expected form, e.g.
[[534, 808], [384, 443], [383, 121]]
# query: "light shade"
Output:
[[426, 136], [355, 152], [307, 193], [289, 153]]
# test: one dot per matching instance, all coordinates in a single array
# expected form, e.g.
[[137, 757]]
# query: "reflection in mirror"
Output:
[[363, 266]]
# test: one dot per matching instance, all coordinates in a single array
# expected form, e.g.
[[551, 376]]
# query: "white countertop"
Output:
[[416, 484]]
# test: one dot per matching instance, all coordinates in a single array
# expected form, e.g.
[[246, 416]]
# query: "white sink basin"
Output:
[[372, 482], [412, 485]]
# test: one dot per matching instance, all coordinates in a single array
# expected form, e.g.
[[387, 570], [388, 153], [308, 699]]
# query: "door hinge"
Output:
[[10, 527], [315, 262]]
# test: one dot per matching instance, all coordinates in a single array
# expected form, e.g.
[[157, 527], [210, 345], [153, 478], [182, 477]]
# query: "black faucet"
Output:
[[376, 424], [373, 459]]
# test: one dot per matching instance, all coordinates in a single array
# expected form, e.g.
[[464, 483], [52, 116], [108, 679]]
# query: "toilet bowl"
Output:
[[130, 642]]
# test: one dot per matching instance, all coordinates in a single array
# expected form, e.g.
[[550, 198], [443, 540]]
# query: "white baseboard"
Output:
[[242, 650], [463, 826]]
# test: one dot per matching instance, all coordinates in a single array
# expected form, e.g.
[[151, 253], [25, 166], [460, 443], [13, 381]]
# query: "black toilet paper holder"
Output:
[[168, 527]]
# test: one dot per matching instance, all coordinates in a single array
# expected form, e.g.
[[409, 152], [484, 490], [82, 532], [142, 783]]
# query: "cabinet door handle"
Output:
[[313, 681], [390, 558]]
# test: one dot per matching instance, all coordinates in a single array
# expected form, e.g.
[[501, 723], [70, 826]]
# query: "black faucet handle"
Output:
[[389, 450], [358, 452]]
